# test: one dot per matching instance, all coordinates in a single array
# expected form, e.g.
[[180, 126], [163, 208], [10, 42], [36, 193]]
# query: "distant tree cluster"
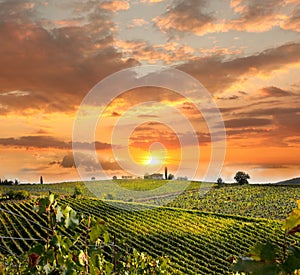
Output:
[[240, 178], [9, 182]]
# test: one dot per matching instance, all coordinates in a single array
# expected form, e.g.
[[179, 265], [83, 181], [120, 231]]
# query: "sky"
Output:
[[246, 53]]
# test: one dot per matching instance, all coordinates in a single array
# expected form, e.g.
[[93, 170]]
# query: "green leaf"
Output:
[[47, 268], [97, 230], [71, 219], [264, 252], [82, 258], [248, 265], [38, 249], [59, 214], [106, 236], [292, 222], [292, 262], [51, 198], [109, 267], [43, 203]]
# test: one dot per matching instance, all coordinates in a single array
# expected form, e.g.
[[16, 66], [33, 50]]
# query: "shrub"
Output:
[[78, 191], [17, 195]]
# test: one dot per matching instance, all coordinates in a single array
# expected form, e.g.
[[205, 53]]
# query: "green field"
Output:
[[199, 234]]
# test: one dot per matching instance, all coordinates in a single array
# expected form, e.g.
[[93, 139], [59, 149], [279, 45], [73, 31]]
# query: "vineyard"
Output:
[[201, 231], [263, 201], [196, 242], [108, 189]]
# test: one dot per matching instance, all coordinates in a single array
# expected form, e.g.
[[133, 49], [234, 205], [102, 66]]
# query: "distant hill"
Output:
[[291, 181]]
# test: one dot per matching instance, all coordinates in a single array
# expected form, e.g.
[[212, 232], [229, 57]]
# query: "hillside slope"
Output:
[[196, 242], [290, 181]]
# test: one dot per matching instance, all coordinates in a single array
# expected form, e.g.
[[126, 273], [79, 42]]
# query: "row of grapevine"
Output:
[[273, 202], [196, 242]]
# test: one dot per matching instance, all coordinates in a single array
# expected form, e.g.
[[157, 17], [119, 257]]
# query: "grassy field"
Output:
[[199, 233]]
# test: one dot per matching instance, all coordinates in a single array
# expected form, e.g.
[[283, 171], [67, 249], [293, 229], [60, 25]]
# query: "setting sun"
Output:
[[153, 160]]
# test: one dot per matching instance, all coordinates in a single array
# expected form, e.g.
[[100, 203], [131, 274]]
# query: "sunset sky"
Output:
[[246, 53]]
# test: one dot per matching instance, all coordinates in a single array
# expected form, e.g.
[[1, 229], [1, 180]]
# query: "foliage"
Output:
[[78, 191], [266, 258], [171, 177], [8, 182], [196, 242], [220, 182], [264, 201], [82, 254], [41, 180], [241, 177], [17, 195]]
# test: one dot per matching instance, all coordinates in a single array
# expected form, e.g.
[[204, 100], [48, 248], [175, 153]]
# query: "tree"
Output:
[[220, 181], [170, 177], [166, 172], [241, 177], [41, 180]]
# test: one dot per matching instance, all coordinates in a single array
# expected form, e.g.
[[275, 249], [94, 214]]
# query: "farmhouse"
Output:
[[156, 176]]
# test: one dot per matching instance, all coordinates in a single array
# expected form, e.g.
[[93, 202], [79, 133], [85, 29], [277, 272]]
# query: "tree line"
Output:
[[9, 182]]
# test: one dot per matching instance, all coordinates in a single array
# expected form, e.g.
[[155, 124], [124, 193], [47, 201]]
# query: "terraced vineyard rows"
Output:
[[197, 243], [264, 201]]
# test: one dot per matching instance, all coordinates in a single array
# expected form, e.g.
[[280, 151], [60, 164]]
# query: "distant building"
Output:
[[182, 178], [127, 177], [155, 176]]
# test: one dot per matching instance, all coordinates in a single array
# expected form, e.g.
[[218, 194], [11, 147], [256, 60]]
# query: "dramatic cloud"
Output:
[[152, 1], [192, 16], [293, 22], [68, 161], [274, 92], [271, 111], [169, 53], [115, 5], [50, 142], [255, 15], [88, 163], [247, 122], [245, 52], [232, 97], [186, 16], [51, 65], [217, 74], [35, 141]]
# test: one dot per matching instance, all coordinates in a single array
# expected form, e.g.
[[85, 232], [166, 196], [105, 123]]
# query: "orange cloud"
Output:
[[217, 74], [138, 22], [115, 6], [170, 52], [152, 1], [293, 22], [187, 16]]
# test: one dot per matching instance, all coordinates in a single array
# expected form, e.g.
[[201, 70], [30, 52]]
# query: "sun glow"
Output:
[[153, 160]]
